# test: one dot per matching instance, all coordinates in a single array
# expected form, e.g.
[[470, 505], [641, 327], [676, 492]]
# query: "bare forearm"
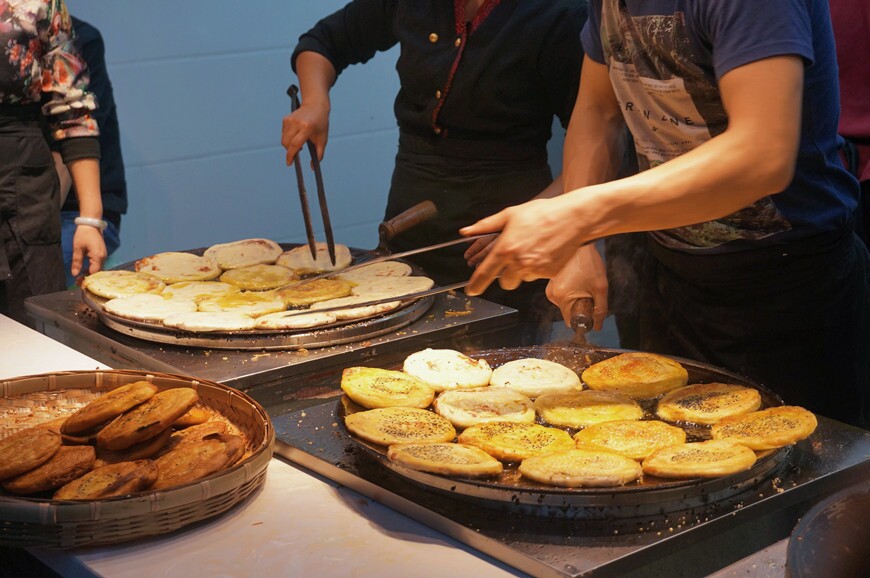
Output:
[[86, 176], [316, 77]]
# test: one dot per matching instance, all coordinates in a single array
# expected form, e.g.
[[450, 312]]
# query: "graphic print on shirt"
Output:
[[672, 107]]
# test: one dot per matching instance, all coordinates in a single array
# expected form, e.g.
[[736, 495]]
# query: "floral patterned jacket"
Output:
[[39, 65]]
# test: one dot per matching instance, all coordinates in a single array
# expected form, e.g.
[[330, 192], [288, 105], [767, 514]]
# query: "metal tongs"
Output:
[[293, 93]]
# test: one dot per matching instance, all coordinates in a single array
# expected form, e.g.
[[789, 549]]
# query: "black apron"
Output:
[[468, 181], [31, 261]]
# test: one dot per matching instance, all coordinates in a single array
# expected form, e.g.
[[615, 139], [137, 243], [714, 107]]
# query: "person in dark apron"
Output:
[[481, 82], [33, 108]]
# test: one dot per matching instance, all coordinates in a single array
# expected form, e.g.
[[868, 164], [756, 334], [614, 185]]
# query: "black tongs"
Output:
[[293, 93]]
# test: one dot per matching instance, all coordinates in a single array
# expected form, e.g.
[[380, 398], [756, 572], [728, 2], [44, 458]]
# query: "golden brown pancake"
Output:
[[635, 439], [510, 441], [707, 403], [708, 459], [584, 408], [636, 374], [373, 387], [448, 459], [767, 429], [395, 425], [581, 467]]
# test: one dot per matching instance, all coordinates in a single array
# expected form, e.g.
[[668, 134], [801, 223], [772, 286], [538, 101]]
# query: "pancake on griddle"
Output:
[[707, 403], [584, 408], [447, 369], [350, 308], [533, 377], [299, 258], [511, 441], [243, 253], [372, 387], [448, 459], [247, 302], [261, 277], [581, 467], [396, 425], [768, 429], [295, 319], [210, 321], [112, 284], [176, 267], [392, 286], [147, 307], [635, 439], [198, 290], [381, 270], [636, 374], [313, 292], [466, 407], [707, 459]]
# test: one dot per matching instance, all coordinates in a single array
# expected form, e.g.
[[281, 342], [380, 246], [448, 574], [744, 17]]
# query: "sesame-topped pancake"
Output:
[[243, 253], [27, 449], [768, 429], [635, 439], [581, 467], [707, 459], [707, 403], [313, 292], [511, 441], [147, 419], [636, 374], [120, 283], [373, 387], [175, 267], [533, 377], [396, 425], [110, 480], [247, 303], [299, 258], [447, 459], [108, 406], [260, 277], [466, 407], [584, 408], [67, 464], [447, 369]]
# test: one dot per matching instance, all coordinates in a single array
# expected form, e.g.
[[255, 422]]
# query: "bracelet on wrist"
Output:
[[91, 222]]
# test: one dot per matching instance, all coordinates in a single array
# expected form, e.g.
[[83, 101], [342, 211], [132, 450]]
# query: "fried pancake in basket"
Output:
[[67, 464], [27, 449], [581, 467], [395, 425], [707, 403], [533, 377], [466, 407], [243, 253], [148, 307], [584, 408], [299, 258], [120, 283], [635, 439], [511, 441], [313, 291], [108, 406], [447, 459], [259, 277], [146, 449], [636, 374], [247, 303], [372, 387], [197, 459], [109, 481], [768, 429], [194, 416], [148, 419], [707, 459], [447, 369], [195, 433], [176, 267]]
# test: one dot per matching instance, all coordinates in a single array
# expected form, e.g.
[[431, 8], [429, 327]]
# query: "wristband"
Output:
[[91, 222]]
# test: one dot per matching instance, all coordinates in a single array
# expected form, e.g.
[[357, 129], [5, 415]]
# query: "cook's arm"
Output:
[[311, 121], [763, 103], [87, 240]]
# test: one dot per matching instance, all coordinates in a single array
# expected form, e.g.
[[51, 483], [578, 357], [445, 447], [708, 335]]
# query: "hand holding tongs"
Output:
[[293, 93]]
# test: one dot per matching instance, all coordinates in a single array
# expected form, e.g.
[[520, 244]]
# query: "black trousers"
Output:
[[466, 188], [31, 262], [795, 318]]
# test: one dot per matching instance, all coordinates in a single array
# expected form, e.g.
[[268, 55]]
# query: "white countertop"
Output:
[[297, 524]]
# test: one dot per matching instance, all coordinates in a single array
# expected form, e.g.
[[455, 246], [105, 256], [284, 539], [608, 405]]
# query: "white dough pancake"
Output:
[[244, 252], [466, 407], [393, 286], [581, 467], [295, 320], [260, 277], [147, 307], [175, 267], [350, 312], [197, 290], [447, 369], [246, 303], [384, 269], [120, 283], [299, 258], [205, 321], [534, 377]]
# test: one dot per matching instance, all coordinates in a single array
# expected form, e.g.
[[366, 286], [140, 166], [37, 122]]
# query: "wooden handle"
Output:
[[405, 220]]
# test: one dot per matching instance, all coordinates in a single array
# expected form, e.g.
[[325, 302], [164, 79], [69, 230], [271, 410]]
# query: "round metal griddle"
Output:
[[650, 496], [337, 333]]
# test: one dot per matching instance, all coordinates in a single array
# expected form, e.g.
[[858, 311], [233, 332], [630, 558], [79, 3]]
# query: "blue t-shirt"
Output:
[[665, 58]]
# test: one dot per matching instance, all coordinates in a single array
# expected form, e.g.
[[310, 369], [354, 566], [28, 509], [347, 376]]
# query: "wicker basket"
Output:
[[26, 522]]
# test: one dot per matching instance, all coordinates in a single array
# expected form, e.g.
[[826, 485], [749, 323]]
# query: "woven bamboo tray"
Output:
[[29, 522]]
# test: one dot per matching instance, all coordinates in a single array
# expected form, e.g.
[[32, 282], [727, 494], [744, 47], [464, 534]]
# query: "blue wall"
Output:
[[201, 91]]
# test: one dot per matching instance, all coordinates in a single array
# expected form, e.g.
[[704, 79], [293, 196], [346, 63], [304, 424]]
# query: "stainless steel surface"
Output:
[[696, 541], [280, 376]]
